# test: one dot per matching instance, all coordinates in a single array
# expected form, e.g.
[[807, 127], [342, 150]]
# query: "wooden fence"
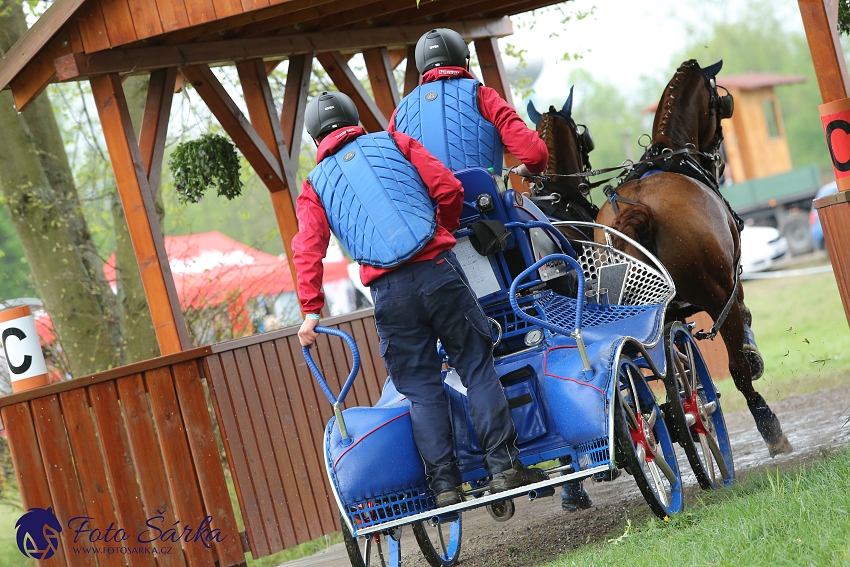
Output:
[[138, 442]]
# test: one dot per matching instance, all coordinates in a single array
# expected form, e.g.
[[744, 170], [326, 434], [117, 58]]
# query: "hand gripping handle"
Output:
[[336, 402]]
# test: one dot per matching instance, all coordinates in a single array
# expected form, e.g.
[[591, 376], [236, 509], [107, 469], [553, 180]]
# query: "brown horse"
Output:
[[564, 193], [690, 228]]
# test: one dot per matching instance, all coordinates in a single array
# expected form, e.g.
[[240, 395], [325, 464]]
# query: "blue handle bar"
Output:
[[579, 304], [355, 368]]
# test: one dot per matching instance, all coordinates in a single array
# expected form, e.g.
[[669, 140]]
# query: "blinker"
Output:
[[586, 139], [727, 106]]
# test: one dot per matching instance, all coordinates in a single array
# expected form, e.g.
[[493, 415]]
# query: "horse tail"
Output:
[[638, 223]]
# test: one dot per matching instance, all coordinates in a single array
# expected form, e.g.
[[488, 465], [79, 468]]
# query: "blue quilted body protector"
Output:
[[376, 203], [444, 117]]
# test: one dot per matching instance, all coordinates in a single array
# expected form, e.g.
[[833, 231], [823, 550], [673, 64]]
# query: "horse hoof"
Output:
[[753, 356], [782, 446]]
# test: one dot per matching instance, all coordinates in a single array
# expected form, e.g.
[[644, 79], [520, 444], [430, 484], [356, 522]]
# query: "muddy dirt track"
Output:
[[541, 532]]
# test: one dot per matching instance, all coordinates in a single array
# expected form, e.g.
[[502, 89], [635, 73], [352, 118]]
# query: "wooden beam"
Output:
[[411, 74], [493, 71], [381, 77], [142, 222], [272, 65], [492, 68], [155, 124], [237, 126], [340, 73], [144, 59], [397, 56], [294, 101], [38, 72], [261, 109], [820, 20], [35, 39], [295, 21]]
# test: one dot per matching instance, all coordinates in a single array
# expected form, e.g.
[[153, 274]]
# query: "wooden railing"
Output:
[[138, 442], [272, 416]]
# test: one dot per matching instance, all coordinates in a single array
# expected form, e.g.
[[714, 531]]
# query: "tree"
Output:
[[37, 187], [758, 40]]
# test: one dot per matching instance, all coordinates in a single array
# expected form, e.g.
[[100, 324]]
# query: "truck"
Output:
[[782, 201]]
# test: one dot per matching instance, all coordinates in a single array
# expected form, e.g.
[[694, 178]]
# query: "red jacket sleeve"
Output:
[[442, 185], [309, 247], [519, 139]]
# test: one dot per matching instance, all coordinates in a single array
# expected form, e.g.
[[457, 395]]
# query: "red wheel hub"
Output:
[[644, 437], [695, 407]]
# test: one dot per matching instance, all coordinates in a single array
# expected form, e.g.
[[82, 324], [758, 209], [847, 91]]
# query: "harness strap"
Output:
[[712, 332], [614, 198]]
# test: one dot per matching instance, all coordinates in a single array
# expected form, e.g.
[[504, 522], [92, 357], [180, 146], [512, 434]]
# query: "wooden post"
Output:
[[380, 70], [294, 102], [155, 124], [495, 77], [820, 19], [261, 109], [411, 73], [265, 161], [148, 243], [371, 117]]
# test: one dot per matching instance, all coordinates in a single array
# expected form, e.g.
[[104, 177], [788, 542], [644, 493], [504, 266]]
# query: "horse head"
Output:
[[569, 146], [690, 111]]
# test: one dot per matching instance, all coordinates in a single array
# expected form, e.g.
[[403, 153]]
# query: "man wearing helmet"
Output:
[[460, 121], [464, 124], [375, 192]]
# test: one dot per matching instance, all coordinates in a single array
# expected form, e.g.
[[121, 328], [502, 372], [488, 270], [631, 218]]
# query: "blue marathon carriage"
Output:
[[594, 378]]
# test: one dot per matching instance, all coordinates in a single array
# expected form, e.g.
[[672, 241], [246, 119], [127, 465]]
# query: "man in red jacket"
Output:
[[465, 124], [374, 192], [450, 104]]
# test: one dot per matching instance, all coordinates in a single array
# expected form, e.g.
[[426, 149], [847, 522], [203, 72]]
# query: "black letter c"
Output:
[[830, 128], [18, 334]]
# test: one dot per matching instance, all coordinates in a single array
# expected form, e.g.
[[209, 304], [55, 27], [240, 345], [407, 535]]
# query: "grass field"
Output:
[[792, 518], [802, 334]]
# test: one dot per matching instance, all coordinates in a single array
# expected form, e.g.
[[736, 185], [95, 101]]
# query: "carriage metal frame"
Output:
[[582, 379]]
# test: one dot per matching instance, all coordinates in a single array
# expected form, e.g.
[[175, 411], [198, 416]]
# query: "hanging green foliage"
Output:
[[844, 16], [198, 165]]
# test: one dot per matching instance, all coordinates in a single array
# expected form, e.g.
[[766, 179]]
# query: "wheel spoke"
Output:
[[718, 456], [367, 551], [707, 459], [381, 552], [660, 489], [653, 417], [692, 382], [630, 415], [629, 371], [442, 541], [664, 465], [684, 380]]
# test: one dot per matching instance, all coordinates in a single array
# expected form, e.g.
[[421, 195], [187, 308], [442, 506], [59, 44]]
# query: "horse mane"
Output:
[[547, 134], [668, 103]]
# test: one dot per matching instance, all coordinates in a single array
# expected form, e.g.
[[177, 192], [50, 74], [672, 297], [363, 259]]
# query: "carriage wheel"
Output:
[[696, 411], [644, 443], [440, 544], [381, 549]]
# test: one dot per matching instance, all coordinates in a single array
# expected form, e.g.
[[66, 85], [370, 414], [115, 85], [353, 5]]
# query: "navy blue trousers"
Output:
[[415, 305]]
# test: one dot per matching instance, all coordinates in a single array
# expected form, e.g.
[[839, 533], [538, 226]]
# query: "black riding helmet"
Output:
[[329, 111], [441, 47]]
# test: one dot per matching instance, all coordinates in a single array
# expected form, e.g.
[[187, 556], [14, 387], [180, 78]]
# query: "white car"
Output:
[[760, 247]]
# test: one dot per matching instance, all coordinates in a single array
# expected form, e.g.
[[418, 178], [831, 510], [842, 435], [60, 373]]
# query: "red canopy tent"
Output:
[[210, 269]]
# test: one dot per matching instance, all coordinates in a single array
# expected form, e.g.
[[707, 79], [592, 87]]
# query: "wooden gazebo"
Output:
[[127, 444], [134, 442], [102, 41]]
